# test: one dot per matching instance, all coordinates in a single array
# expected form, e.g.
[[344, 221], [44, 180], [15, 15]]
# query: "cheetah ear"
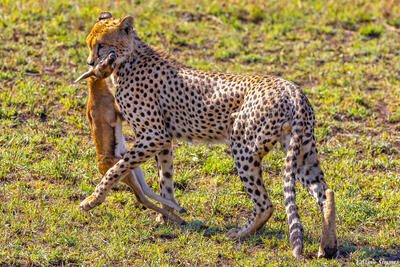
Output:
[[104, 15], [127, 24]]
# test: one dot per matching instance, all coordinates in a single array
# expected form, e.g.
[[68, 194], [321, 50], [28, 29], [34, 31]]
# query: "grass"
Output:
[[344, 54]]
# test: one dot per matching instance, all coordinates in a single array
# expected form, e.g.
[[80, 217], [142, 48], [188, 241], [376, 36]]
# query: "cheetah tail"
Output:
[[295, 227]]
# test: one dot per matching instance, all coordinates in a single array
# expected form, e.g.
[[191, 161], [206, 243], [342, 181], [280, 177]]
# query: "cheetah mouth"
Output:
[[102, 68]]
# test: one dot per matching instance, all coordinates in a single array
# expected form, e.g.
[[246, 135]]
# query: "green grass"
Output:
[[344, 54]]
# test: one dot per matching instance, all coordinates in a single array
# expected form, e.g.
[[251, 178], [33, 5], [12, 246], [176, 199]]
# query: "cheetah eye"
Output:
[[99, 47]]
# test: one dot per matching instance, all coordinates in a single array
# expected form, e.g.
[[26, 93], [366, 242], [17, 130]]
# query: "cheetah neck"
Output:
[[196, 105], [143, 50]]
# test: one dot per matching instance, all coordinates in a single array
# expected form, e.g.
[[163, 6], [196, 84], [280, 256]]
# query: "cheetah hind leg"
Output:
[[252, 180], [328, 245]]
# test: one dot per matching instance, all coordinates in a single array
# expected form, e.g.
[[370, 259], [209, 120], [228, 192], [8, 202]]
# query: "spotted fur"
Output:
[[163, 100]]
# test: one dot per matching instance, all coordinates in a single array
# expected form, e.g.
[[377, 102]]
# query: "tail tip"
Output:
[[182, 210]]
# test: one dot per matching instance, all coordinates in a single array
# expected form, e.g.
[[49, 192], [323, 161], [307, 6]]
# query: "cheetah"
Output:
[[163, 100], [106, 128]]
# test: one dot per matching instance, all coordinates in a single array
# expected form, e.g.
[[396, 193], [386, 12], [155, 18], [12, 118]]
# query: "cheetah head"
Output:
[[111, 35]]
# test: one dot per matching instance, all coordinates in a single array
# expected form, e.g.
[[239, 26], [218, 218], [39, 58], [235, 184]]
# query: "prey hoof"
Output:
[[297, 251], [89, 203], [182, 210], [328, 253], [171, 219], [233, 233], [162, 219]]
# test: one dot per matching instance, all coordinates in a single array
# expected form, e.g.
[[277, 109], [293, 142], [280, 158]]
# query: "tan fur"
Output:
[[328, 245], [102, 114]]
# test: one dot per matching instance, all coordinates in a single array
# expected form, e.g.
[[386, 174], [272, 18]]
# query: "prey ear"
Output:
[[127, 24], [104, 15]]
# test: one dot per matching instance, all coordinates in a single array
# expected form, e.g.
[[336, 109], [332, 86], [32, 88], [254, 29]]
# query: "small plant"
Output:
[[372, 31]]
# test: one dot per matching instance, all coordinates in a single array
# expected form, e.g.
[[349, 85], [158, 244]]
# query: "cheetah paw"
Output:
[[234, 233], [89, 203]]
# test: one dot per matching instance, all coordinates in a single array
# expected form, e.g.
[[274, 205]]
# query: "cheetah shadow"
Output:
[[209, 231], [370, 255], [202, 228]]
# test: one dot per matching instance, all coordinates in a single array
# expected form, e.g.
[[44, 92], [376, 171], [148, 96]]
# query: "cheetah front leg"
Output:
[[165, 166]]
